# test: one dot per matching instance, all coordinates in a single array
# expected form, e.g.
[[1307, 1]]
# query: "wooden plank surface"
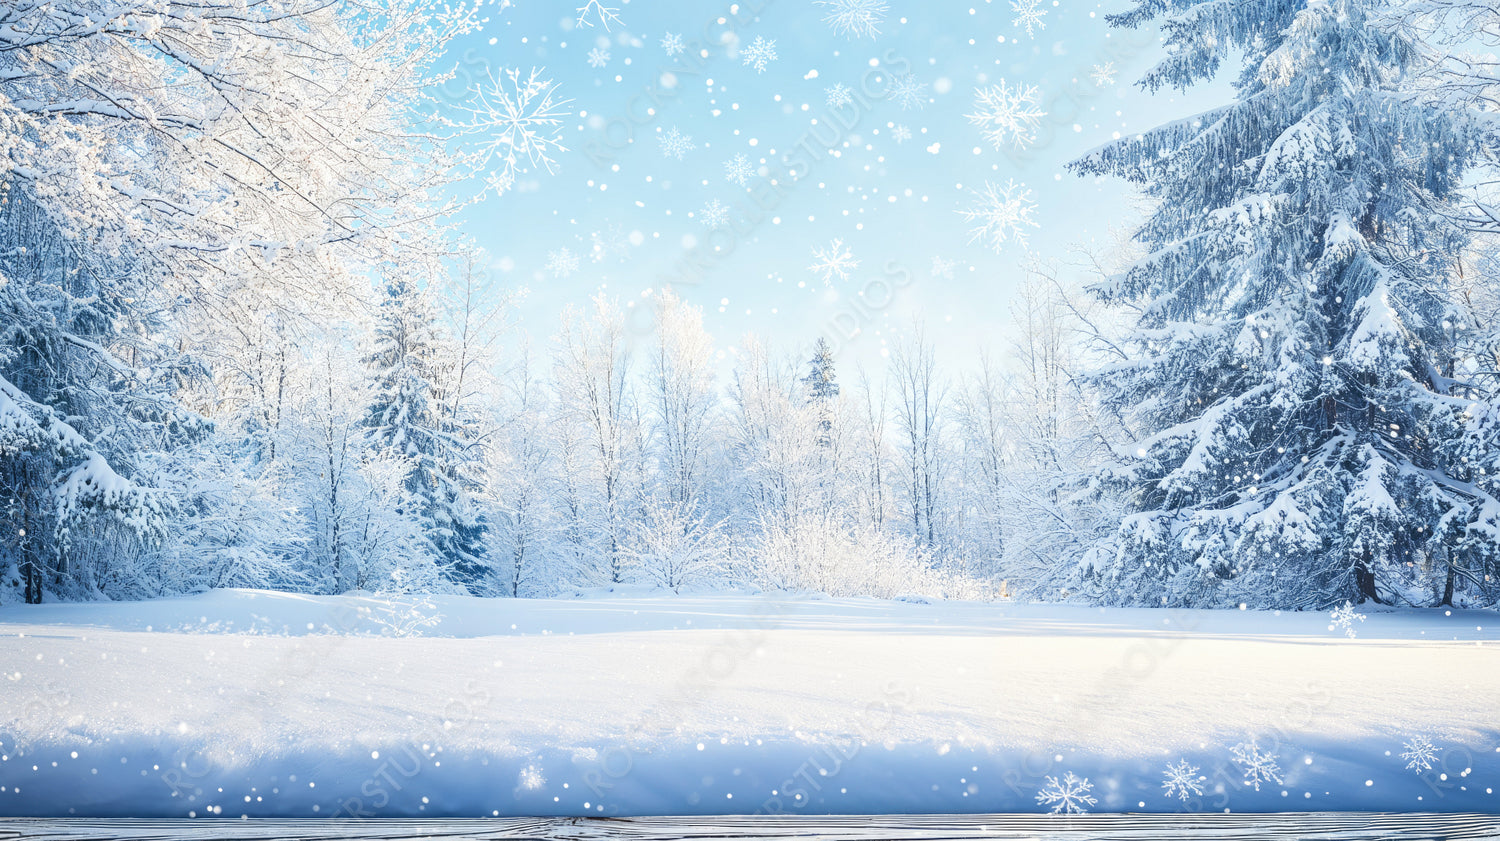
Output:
[[1360, 826]]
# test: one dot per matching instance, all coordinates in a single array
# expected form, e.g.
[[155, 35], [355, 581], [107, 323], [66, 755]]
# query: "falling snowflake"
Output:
[[714, 214], [854, 18], [759, 54], [901, 133], [1008, 114], [1104, 74], [1068, 796], [562, 262], [738, 170], [1182, 779], [1344, 619], [530, 778], [674, 144], [1029, 14], [1258, 767], [943, 268], [519, 119], [595, 8], [907, 92], [837, 95], [598, 57], [1003, 214], [833, 261], [672, 44], [1420, 754]]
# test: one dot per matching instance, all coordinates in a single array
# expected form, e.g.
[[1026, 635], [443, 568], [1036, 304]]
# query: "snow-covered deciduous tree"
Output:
[[870, 457], [234, 525], [518, 490], [682, 397], [672, 545], [211, 137], [982, 412], [1456, 73], [920, 395], [818, 551], [1303, 435], [591, 370], [774, 450], [332, 438], [1033, 437]]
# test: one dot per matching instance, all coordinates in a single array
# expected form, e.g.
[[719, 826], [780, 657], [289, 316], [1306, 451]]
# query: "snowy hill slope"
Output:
[[248, 702]]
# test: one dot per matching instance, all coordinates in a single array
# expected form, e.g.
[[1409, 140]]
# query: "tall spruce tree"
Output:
[[822, 387], [1303, 439], [407, 415]]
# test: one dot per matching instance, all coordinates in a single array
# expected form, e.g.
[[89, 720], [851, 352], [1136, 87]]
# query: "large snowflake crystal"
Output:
[[943, 268], [675, 144], [672, 44], [854, 18], [596, 10], [759, 54], [833, 261], [1420, 754], [1103, 74], [1068, 796], [1344, 618], [837, 95], [907, 92], [1257, 767], [738, 170], [901, 134], [1002, 214], [714, 214], [562, 262], [519, 119], [1008, 114], [1028, 14], [598, 57], [1181, 780]]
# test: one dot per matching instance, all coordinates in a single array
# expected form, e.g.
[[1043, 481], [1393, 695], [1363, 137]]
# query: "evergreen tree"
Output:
[[1303, 439], [822, 387], [71, 411], [408, 417]]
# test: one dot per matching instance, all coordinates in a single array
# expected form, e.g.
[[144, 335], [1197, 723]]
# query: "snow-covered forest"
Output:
[[243, 343]]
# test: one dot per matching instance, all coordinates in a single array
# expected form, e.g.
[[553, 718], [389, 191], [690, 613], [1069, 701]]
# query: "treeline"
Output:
[[434, 450]]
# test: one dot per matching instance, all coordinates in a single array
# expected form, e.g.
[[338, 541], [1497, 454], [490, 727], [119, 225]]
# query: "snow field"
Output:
[[640, 704]]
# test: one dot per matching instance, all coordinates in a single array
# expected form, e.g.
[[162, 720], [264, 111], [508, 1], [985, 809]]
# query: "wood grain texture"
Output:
[[1359, 826]]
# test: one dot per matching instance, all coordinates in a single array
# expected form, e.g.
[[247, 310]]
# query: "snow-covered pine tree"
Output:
[[1302, 437], [822, 387], [407, 417], [71, 411]]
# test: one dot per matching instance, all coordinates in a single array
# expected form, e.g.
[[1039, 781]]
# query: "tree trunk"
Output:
[[1364, 579], [31, 549], [31, 573]]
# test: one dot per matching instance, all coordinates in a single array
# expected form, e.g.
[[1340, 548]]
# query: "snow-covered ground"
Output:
[[247, 702]]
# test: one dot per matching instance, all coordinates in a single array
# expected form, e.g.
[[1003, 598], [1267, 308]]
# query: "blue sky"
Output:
[[893, 203]]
